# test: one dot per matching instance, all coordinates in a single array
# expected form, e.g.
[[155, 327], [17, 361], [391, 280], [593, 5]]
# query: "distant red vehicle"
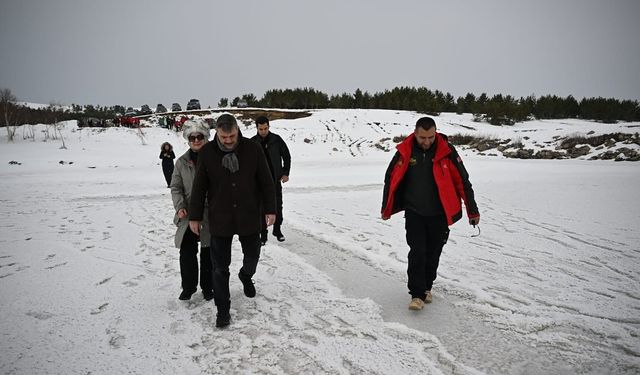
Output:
[[128, 121]]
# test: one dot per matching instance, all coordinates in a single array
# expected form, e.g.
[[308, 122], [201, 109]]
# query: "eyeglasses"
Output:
[[197, 137]]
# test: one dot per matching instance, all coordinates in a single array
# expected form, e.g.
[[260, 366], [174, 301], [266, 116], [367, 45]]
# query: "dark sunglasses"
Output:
[[198, 137]]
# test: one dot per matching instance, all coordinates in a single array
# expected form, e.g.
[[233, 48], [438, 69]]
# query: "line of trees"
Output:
[[498, 109], [12, 113]]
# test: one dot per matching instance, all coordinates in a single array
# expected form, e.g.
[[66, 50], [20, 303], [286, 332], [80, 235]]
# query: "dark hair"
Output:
[[262, 120], [425, 123], [226, 122]]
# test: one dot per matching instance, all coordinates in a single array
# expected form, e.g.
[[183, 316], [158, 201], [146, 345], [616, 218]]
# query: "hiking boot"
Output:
[[416, 304], [428, 298], [207, 294], [185, 295], [223, 319], [247, 284]]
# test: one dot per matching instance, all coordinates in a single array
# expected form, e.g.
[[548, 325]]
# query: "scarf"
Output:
[[194, 156], [229, 160]]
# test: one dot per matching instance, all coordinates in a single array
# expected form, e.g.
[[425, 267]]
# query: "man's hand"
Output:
[[182, 213], [284, 179], [270, 219], [194, 225], [474, 221]]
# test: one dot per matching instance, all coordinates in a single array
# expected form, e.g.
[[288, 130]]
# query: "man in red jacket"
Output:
[[426, 179]]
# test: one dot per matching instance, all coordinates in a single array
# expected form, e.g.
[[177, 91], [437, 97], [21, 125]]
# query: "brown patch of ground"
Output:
[[250, 114]]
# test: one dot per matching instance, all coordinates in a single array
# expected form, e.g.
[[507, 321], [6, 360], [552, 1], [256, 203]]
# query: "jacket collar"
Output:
[[442, 147]]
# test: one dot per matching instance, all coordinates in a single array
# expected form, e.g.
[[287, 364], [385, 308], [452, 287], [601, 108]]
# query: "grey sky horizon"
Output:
[[148, 52]]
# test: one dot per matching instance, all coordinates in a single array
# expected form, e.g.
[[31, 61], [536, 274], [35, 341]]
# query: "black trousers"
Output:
[[426, 235], [167, 170], [189, 264], [221, 257], [278, 222]]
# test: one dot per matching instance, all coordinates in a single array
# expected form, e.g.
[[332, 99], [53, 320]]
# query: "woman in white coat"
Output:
[[196, 132]]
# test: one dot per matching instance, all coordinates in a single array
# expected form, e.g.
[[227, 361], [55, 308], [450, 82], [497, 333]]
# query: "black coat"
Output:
[[234, 198], [167, 159], [277, 152]]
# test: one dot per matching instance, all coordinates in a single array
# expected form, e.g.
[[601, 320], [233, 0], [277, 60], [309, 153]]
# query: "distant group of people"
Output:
[[175, 123], [232, 185]]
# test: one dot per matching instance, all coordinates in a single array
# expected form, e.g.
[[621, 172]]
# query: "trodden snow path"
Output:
[[90, 284]]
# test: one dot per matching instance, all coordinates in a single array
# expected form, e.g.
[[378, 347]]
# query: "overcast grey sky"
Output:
[[135, 52]]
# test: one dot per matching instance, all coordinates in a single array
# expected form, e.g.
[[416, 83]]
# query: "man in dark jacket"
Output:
[[232, 173], [279, 160], [427, 180]]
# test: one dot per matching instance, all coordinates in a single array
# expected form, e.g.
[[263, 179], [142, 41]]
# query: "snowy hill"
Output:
[[356, 131], [90, 277]]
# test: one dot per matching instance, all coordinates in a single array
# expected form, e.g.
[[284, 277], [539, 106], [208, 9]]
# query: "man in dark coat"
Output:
[[279, 160], [426, 179], [232, 173]]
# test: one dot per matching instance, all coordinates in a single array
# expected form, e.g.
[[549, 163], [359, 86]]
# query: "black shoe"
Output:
[[223, 320], [185, 295], [247, 283], [279, 236], [263, 238], [207, 294]]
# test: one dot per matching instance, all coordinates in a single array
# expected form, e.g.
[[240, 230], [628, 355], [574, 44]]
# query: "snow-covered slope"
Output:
[[89, 278]]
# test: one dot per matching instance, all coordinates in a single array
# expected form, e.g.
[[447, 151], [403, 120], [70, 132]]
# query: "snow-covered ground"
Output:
[[89, 277]]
